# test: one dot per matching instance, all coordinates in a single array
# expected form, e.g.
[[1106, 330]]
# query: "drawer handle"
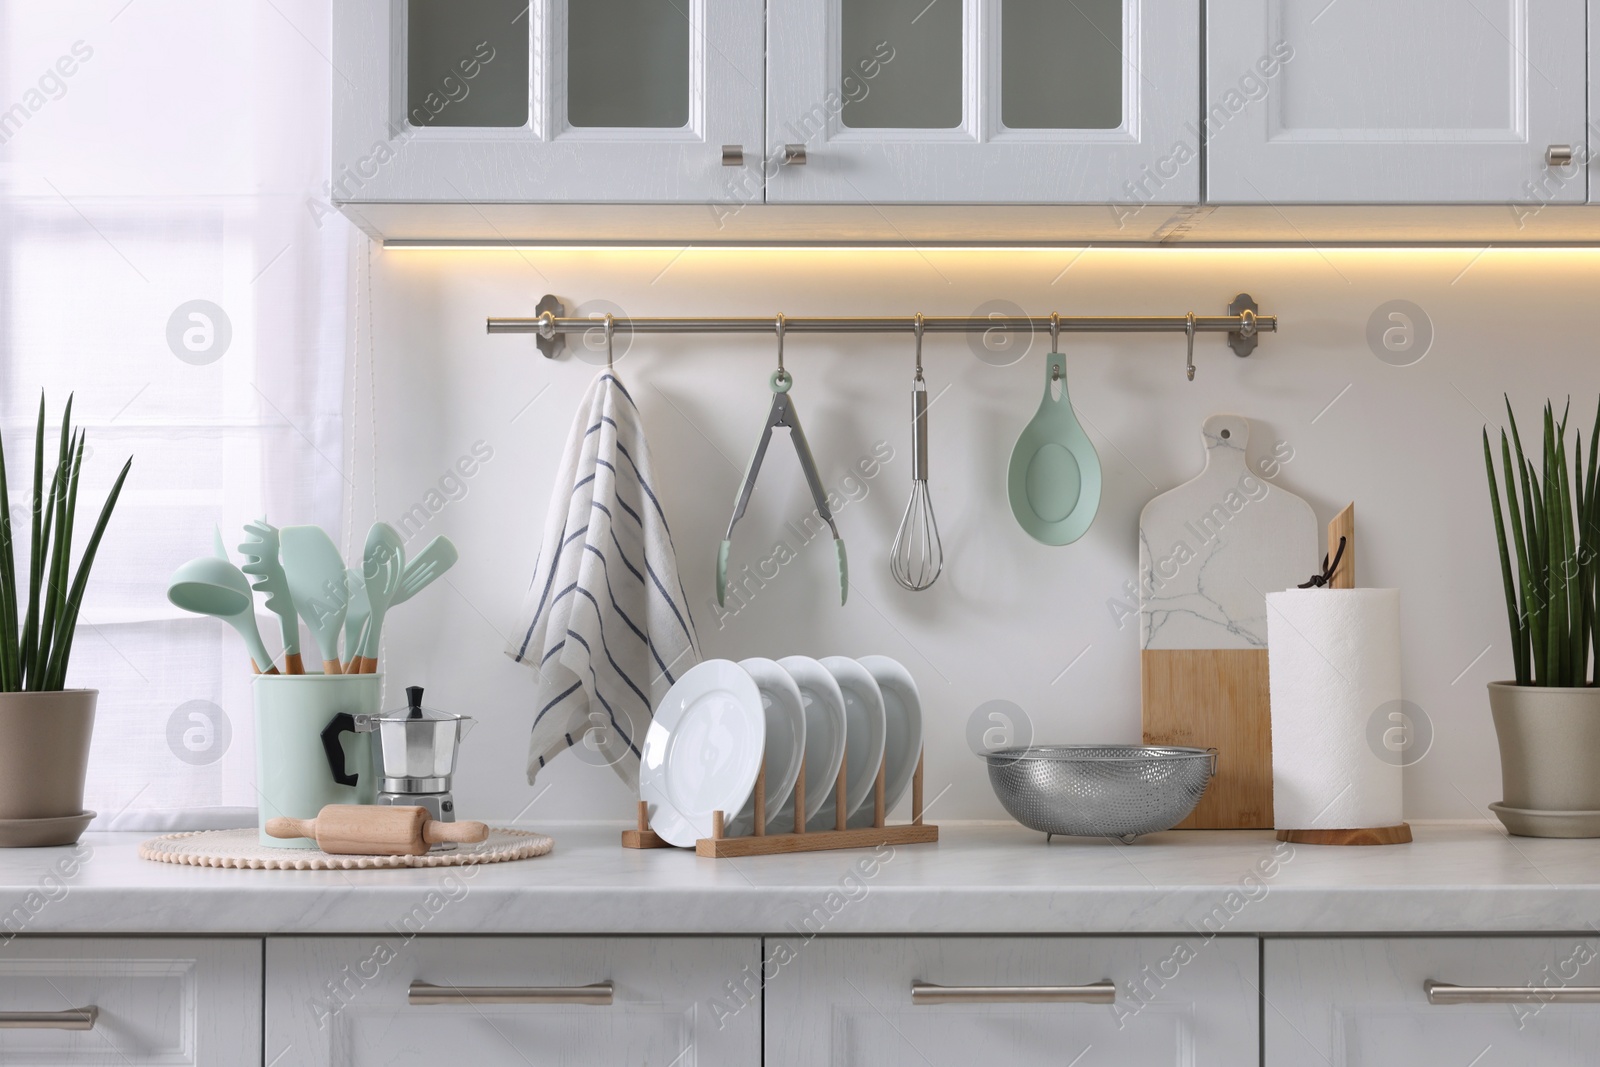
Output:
[[1445, 993], [71, 1019], [1094, 993], [422, 993]]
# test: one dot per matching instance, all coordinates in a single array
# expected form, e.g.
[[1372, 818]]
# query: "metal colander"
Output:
[[1100, 790]]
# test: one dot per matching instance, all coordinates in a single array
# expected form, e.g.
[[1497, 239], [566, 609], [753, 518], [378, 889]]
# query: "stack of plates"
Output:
[[723, 721]]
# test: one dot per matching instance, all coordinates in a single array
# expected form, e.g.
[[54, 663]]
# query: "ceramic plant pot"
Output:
[[1549, 759], [44, 755]]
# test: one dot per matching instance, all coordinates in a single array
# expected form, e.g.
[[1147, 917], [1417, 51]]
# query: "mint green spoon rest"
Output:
[[1054, 479]]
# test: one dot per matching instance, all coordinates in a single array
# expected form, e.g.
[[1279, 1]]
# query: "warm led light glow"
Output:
[[1329, 248]]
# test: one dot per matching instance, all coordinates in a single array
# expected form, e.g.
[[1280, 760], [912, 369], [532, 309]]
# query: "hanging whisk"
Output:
[[917, 557]]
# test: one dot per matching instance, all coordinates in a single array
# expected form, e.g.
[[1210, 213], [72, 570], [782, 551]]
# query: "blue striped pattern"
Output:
[[606, 623]]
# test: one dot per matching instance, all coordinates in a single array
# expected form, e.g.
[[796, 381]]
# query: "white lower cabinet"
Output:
[[130, 1001], [1495, 1001], [568, 1001], [1017, 1001]]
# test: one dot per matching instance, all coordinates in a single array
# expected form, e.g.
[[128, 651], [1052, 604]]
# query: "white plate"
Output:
[[786, 741], [702, 751], [825, 732], [864, 731], [902, 711]]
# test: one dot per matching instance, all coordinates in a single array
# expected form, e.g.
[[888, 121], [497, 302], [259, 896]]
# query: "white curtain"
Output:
[[167, 254]]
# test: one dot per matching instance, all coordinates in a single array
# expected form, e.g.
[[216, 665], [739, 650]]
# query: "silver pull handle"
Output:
[[1558, 155], [1445, 993], [794, 155], [733, 155], [1104, 992], [71, 1019], [422, 993]]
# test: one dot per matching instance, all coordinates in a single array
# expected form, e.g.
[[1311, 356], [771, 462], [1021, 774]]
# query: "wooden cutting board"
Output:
[[1209, 552]]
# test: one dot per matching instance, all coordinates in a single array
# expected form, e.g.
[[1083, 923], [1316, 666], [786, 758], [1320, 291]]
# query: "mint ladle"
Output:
[[215, 587]]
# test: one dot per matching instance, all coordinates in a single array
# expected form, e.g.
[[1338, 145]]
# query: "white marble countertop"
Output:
[[980, 878]]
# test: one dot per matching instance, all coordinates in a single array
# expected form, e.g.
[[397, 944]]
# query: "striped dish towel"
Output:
[[605, 625]]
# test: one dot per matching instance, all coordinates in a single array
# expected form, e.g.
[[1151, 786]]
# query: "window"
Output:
[[168, 254]]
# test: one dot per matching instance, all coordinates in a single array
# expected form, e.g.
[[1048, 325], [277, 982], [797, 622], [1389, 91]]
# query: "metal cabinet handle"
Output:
[[71, 1019], [794, 155], [733, 155], [1445, 993], [1104, 992], [422, 993], [1558, 155]]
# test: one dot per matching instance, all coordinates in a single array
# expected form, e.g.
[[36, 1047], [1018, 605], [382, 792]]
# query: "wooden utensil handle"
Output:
[[282, 826], [293, 664], [466, 833], [1343, 525], [331, 666]]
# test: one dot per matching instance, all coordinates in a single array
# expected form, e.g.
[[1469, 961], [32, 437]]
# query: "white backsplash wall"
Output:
[[1053, 631]]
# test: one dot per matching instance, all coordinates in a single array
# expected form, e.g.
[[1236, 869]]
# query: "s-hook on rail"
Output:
[[1243, 324]]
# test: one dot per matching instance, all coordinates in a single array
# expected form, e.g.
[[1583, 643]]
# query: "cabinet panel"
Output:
[[346, 1001], [1366, 101], [158, 1001], [1348, 1002], [551, 102], [1030, 102], [846, 1001]]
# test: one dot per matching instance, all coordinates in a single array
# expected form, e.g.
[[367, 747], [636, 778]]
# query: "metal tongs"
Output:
[[782, 414]]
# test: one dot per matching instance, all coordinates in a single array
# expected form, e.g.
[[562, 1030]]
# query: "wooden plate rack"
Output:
[[760, 843]]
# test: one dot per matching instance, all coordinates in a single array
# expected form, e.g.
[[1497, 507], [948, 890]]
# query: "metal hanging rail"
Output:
[[1243, 324]]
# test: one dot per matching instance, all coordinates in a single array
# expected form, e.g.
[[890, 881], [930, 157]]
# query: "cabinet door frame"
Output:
[[1202, 991], [981, 161], [378, 156], [216, 1020], [1253, 159], [323, 993], [1323, 992]]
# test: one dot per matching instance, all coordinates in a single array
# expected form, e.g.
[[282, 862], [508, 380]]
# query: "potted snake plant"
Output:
[[44, 726], [1547, 719]]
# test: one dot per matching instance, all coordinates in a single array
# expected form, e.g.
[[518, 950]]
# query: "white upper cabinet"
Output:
[[1371, 101], [549, 102], [982, 101]]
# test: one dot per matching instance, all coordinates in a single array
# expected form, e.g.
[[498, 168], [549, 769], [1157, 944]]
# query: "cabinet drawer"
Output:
[[1177, 1000], [167, 1002], [1364, 1001], [484, 1001]]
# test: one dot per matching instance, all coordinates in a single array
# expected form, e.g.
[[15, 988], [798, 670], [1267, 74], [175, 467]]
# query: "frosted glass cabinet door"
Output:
[[553, 101], [983, 101], [1363, 1003], [1372, 101]]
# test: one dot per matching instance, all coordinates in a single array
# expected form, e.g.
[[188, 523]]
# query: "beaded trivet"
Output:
[[242, 848]]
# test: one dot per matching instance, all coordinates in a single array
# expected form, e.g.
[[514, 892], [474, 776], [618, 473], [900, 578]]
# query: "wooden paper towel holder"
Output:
[[1344, 577]]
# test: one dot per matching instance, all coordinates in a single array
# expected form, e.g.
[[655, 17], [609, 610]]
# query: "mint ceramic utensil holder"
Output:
[[1054, 478], [293, 778]]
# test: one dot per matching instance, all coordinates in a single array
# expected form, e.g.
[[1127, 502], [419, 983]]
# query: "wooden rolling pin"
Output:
[[376, 830]]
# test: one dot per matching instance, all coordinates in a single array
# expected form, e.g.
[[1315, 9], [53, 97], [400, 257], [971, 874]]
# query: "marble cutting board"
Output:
[[1209, 552]]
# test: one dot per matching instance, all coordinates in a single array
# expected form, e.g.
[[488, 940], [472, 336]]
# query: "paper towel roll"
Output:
[[1334, 661]]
